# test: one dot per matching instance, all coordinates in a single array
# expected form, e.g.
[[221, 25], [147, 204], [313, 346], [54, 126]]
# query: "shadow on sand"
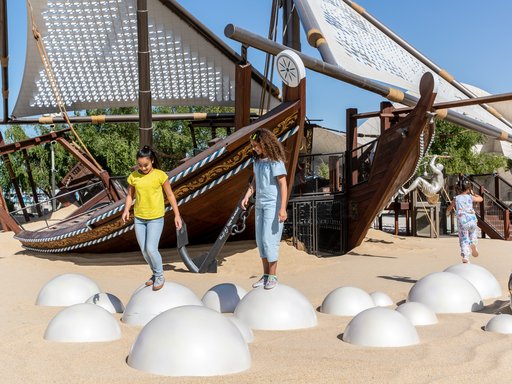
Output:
[[403, 279]]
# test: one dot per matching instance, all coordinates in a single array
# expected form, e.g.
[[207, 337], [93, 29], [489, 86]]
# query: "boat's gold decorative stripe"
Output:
[[102, 230], [229, 164]]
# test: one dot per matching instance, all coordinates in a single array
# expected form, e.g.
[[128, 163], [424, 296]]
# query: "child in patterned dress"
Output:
[[466, 220]]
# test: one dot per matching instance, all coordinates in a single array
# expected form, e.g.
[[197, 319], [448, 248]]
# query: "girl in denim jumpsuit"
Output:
[[271, 190]]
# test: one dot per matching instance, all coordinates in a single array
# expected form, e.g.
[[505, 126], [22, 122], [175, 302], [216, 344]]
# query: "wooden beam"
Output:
[[243, 72]]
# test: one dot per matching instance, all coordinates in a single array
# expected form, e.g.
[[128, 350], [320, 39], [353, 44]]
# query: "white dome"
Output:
[[244, 329], [223, 298], [417, 313], [381, 299], [483, 280], [190, 341], [380, 327], [346, 301], [81, 323], [67, 289], [445, 292], [108, 301], [500, 324], [145, 303], [280, 308]]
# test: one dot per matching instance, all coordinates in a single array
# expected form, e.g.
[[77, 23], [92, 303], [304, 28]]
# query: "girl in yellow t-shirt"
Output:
[[148, 185]]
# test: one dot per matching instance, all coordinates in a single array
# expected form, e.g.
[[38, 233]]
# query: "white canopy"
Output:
[[92, 47]]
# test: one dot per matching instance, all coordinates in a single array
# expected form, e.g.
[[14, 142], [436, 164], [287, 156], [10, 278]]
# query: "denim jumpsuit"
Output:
[[467, 223], [268, 201]]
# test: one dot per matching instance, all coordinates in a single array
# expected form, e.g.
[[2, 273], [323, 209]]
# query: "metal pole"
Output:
[[226, 117], [239, 34], [145, 123]]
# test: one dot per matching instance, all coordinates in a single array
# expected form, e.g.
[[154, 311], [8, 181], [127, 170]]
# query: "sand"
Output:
[[456, 350]]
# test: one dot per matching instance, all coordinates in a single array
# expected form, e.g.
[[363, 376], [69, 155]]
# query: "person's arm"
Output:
[[128, 204], [283, 188], [248, 194], [174, 204], [476, 198], [450, 207]]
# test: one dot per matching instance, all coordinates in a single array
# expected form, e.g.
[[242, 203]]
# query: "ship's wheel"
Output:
[[290, 68]]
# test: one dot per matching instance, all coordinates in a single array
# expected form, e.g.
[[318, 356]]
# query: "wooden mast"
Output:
[[145, 121]]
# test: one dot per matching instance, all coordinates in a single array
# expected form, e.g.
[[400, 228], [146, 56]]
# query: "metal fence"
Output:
[[316, 224]]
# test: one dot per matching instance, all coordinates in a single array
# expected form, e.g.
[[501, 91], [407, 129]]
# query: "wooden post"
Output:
[[3, 205], [497, 186], [351, 128], [334, 173], [102, 174], [145, 121], [32, 183], [386, 108], [482, 208], [243, 73]]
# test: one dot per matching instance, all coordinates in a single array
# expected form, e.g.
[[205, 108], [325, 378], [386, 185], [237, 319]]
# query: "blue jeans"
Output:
[[148, 234], [268, 232]]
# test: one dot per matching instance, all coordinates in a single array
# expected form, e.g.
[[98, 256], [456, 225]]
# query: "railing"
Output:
[[362, 162], [61, 207], [496, 185], [491, 210], [319, 174]]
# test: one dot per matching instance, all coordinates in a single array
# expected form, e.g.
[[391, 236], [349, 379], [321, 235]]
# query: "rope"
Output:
[[53, 82], [272, 36]]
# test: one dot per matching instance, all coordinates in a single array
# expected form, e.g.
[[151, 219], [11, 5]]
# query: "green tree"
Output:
[[458, 143]]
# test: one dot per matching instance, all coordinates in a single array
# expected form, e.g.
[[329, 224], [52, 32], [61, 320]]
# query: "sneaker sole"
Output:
[[157, 287]]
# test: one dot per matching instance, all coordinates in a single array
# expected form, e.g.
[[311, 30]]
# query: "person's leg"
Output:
[[464, 243], [154, 232], [259, 242], [473, 238], [141, 235], [273, 230]]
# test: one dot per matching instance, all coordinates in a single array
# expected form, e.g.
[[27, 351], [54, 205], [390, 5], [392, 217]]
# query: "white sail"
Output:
[[356, 45], [92, 46]]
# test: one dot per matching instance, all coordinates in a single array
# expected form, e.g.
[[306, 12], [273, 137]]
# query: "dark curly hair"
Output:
[[270, 146]]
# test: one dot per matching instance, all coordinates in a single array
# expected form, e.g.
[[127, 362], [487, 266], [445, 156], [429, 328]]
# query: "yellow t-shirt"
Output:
[[149, 195]]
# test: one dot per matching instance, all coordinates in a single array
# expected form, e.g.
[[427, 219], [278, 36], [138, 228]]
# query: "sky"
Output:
[[468, 38]]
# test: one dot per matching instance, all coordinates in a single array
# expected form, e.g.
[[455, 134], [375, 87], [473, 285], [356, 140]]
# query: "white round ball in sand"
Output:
[[67, 289], [107, 301], [82, 323], [381, 299], [223, 298], [445, 292], [380, 327], [500, 324], [417, 313], [190, 341], [244, 329], [145, 303], [280, 308], [483, 280], [346, 301]]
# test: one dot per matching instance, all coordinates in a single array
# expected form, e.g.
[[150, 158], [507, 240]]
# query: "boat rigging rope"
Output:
[[267, 84], [53, 82]]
